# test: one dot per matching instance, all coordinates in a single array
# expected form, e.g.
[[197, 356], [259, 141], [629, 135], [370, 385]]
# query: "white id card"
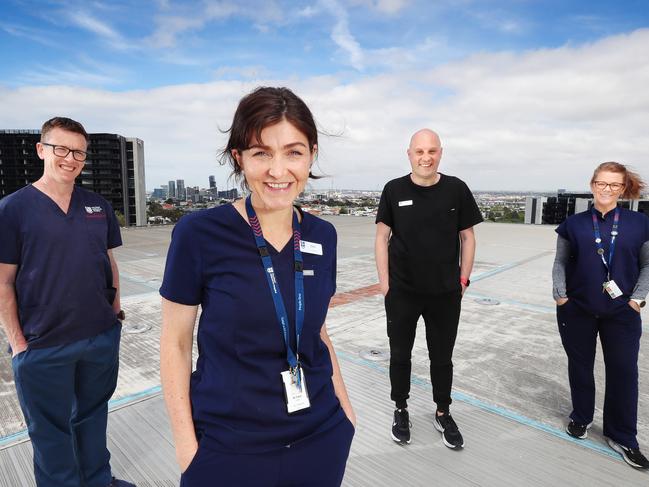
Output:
[[405, 203], [612, 289], [310, 247], [297, 398]]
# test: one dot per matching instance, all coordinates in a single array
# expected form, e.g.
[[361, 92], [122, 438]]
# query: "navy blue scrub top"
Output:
[[236, 390], [64, 279], [586, 273]]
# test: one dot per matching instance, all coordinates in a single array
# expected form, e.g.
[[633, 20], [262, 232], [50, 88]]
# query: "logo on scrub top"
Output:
[[95, 212]]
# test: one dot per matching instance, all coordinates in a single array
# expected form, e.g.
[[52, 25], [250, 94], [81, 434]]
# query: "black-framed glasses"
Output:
[[63, 151], [615, 187]]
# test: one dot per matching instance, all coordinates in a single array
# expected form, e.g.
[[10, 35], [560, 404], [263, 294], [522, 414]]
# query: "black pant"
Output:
[[441, 315]]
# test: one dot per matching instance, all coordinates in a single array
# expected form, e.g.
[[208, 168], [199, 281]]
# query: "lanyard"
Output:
[[280, 309], [598, 240]]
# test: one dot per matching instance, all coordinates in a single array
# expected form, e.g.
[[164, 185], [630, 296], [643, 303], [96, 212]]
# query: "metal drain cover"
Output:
[[375, 355], [131, 329], [487, 301]]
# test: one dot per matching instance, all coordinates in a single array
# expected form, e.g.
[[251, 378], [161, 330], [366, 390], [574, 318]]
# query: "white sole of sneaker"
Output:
[[618, 448], [439, 428], [397, 440]]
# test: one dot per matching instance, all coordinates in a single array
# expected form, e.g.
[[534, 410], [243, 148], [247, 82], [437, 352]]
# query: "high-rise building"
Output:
[[172, 189], [230, 194], [136, 187], [180, 190], [212, 180], [114, 169], [555, 209]]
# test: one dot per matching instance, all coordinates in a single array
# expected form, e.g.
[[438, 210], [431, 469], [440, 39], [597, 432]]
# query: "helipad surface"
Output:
[[511, 392]]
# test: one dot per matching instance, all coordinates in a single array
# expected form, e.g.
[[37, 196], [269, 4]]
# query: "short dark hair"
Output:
[[263, 107], [64, 124]]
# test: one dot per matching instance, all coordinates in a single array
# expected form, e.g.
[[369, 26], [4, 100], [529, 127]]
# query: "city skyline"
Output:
[[526, 96]]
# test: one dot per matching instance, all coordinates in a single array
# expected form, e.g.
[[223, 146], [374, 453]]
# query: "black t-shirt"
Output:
[[424, 248]]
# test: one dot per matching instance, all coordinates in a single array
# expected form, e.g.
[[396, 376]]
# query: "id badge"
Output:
[[297, 398], [612, 289]]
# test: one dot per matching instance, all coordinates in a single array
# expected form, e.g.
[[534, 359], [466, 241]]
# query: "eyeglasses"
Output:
[[615, 187], [63, 151]]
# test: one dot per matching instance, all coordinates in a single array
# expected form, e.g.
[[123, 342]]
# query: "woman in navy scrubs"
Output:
[[266, 405], [600, 280]]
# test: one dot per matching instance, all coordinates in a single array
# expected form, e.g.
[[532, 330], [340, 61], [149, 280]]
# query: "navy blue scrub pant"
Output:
[[441, 315], [620, 337], [64, 392], [317, 461]]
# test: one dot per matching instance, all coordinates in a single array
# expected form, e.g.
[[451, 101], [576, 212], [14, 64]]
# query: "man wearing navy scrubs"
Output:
[[424, 256], [60, 309]]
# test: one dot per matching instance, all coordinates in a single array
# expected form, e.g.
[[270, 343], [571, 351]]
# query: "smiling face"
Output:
[[606, 197], [56, 169], [276, 167], [425, 154]]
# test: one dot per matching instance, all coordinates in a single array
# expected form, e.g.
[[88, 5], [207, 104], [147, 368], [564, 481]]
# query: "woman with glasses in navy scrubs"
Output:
[[600, 281], [266, 405]]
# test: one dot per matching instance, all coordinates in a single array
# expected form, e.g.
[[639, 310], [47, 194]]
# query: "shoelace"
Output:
[[402, 420], [448, 423]]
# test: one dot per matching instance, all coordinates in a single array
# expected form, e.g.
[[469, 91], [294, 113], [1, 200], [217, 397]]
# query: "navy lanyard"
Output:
[[598, 240], [280, 309]]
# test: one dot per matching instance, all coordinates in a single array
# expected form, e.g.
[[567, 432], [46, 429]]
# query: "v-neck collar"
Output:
[[270, 246], [55, 207]]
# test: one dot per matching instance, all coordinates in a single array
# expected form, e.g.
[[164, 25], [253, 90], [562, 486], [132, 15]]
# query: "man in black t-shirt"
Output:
[[424, 255]]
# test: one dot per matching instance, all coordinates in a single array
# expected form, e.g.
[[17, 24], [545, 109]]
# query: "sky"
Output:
[[526, 95]]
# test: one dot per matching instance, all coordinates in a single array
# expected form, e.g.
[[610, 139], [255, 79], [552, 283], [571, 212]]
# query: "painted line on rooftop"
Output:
[[418, 381], [500, 411], [373, 290], [112, 405], [153, 283], [531, 307], [506, 267]]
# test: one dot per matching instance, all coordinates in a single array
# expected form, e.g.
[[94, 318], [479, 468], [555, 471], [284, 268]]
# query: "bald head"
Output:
[[424, 153], [425, 136]]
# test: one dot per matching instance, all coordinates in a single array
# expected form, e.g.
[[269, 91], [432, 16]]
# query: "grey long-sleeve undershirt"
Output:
[[562, 256]]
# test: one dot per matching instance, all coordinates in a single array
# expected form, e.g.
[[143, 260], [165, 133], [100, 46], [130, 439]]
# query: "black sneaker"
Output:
[[576, 430], [401, 426], [451, 435], [632, 456]]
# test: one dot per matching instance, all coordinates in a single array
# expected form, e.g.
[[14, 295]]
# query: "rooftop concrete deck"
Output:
[[511, 393]]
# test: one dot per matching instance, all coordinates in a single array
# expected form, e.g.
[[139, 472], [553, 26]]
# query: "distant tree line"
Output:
[[156, 209], [505, 215], [361, 204]]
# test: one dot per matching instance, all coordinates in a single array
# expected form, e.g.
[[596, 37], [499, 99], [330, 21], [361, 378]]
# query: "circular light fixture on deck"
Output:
[[375, 355]]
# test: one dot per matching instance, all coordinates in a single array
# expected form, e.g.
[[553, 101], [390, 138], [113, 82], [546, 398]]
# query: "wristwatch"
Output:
[[121, 316], [639, 302]]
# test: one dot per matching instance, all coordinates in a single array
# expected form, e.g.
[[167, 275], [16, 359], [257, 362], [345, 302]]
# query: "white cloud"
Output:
[[240, 72], [35, 35], [95, 26], [391, 6], [169, 27], [342, 36], [195, 17], [536, 120]]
